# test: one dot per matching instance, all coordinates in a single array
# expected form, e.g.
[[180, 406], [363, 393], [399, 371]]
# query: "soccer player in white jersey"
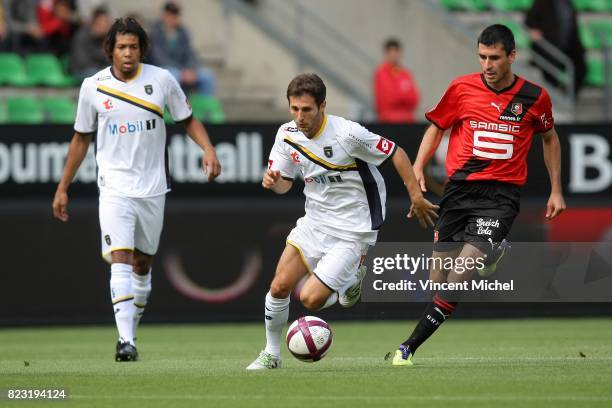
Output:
[[345, 206], [124, 106]]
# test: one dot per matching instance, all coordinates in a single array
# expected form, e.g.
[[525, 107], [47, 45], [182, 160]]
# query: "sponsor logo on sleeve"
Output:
[[385, 145]]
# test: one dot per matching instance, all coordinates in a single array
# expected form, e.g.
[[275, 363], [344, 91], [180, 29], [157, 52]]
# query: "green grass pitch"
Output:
[[468, 363]]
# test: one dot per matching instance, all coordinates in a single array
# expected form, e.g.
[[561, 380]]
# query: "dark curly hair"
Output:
[[126, 25]]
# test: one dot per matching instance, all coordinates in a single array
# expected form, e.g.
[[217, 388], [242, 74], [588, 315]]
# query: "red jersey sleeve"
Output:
[[445, 113], [543, 121]]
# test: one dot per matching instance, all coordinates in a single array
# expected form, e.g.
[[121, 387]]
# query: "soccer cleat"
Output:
[[126, 352], [403, 357], [490, 264], [353, 294], [265, 361]]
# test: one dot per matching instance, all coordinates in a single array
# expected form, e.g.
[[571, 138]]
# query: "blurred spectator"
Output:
[[171, 49], [58, 21], [86, 8], [4, 33], [24, 29], [556, 21], [395, 92], [87, 56]]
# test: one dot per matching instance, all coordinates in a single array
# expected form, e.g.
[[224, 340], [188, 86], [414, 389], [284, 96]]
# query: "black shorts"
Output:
[[478, 212]]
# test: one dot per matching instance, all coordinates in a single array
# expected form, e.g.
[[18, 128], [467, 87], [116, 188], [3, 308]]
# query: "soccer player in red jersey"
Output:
[[492, 115]]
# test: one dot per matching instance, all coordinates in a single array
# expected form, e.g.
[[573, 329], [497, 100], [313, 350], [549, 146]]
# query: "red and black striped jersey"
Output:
[[491, 130]]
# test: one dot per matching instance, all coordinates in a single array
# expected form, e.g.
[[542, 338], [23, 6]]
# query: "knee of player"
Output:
[[311, 302], [279, 289]]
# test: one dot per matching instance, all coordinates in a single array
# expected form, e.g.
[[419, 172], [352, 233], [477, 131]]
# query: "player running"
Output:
[[493, 115], [345, 206], [124, 105]]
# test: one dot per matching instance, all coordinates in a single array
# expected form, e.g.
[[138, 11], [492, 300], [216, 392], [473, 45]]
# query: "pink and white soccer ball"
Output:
[[309, 338]]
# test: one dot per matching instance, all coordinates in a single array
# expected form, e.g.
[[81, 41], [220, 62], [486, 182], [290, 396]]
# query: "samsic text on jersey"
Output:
[[491, 130]]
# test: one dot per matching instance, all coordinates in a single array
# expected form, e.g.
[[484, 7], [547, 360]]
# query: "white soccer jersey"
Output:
[[131, 135], [345, 193]]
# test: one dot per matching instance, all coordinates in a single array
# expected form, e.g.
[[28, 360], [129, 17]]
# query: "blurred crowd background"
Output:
[[386, 61]]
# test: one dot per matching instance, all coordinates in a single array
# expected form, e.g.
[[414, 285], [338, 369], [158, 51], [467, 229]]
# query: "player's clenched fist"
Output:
[[270, 178]]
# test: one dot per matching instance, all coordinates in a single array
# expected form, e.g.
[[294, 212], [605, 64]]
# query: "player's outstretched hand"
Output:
[[420, 177], [270, 178], [60, 205], [425, 212], [211, 165], [555, 205]]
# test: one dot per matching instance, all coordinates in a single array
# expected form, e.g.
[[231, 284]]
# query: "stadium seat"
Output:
[[600, 6], [595, 72], [168, 117], [521, 38], [24, 109], [45, 69], [589, 41], [602, 32], [3, 114], [465, 5], [59, 110], [12, 71], [511, 5], [207, 108]]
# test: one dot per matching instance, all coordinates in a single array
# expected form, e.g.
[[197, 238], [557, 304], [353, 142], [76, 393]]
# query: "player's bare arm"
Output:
[[424, 211], [76, 154], [552, 159], [429, 144], [198, 134], [272, 180]]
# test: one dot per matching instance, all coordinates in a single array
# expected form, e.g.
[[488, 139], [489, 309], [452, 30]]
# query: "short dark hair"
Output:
[[310, 84], [392, 43], [498, 34], [126, 25], [99, 11], [172, 7]]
